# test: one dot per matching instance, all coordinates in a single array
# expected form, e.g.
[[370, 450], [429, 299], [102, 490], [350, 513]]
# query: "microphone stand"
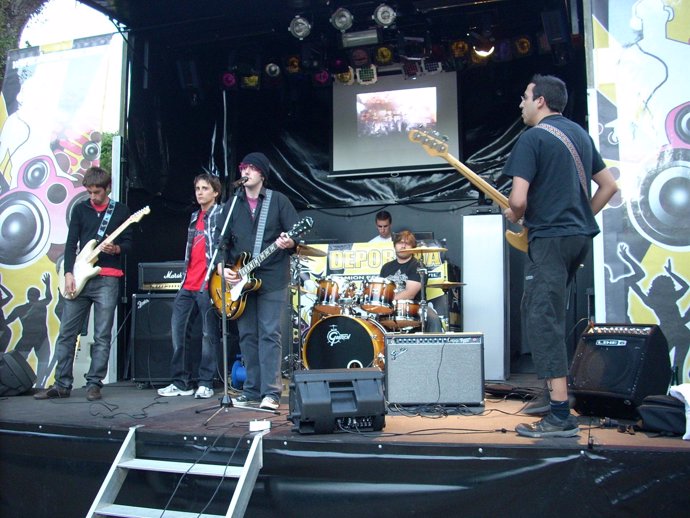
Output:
[[226, 400], [423, 302]]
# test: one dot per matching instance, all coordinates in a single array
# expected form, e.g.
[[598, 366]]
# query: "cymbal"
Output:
[[310, 251], [445, 285], [426, 249]]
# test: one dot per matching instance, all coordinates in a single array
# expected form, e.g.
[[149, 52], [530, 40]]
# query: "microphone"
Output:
[[239, 182]]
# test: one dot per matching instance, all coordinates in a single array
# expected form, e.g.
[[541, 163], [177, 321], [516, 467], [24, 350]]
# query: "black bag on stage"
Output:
[[663, 414], [16, 375]]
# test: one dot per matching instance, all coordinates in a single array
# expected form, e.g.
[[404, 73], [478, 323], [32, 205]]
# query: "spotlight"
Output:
[[339, 64], [411, 69], [384, 16], [341, 19], [522, 45], [431, 67], [299, 27], [483, 45], [272, 70], [293, 65], [229, 80], [321, 78], [459, 48], [250, 81], [346, 78], [366, 75], [383, 55], [359, 58]]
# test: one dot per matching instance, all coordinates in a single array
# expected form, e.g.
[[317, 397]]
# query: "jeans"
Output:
[[261, 343], [102, 293], [188, 305]]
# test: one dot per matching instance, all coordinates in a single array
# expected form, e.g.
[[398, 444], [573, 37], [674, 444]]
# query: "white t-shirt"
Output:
[[379, 239]]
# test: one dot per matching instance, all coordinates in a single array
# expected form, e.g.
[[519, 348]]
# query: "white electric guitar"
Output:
[[84, 265]]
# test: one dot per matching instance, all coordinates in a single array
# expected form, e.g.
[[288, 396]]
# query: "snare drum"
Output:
[[406, 314], [340, 341], [328, 296], [377, 296]]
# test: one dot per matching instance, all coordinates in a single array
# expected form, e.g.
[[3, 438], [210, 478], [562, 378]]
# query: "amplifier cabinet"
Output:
[[151, 338], [435, 368], [166, 276]]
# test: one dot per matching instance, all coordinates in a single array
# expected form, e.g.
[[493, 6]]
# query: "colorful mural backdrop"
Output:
[[52, 112], [640, 111]]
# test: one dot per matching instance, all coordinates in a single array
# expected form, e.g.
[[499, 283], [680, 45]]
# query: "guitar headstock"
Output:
[[136, 217], [431, 140], [301, 227]]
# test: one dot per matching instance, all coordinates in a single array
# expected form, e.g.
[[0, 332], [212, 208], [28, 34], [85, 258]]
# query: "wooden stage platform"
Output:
[[426, 461]]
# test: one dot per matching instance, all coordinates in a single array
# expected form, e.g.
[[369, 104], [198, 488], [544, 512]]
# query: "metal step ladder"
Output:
[[126, 460]]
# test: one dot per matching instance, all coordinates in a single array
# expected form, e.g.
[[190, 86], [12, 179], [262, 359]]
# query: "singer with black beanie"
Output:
[[259, 323]]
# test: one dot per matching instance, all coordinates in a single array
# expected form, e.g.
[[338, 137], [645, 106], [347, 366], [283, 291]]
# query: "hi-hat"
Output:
[[310, 251], [446, 285], [426, 249]]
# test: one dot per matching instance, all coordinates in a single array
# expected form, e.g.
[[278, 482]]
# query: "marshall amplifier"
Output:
[[433, 368], [165, 276]]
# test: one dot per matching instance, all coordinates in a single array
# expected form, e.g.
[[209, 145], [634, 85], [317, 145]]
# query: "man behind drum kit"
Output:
[[404, 272]]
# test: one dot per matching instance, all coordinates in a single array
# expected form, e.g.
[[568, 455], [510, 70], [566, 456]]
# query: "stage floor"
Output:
[[426, 460]]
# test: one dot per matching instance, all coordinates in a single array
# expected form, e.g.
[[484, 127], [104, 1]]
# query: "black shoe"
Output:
[[93, 393], [550, 426], [53, 392], [541, 405]]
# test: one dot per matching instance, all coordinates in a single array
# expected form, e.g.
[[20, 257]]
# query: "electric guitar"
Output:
[[84, 265], [236, 296], [435, 144]]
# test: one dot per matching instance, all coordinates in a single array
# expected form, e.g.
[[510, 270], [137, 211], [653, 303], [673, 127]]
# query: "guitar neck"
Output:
[[111, 237], [478, 181], [256, 261]]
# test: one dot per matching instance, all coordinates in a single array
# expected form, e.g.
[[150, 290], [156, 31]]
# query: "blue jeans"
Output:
[[102, 293], [261, 343], [188, 305]]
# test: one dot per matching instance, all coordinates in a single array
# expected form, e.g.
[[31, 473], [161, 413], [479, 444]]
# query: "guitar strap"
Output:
[[262, 223], [573, 152], [106, 220]]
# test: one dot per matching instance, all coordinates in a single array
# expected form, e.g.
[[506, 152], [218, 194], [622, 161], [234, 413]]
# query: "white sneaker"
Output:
[[203, 393], [172, 390], [270, 403]]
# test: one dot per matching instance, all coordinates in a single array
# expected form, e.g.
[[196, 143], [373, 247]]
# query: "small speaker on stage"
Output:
[[151, 337], [435, 368], [616, 366], [335, 400], [16, 375]]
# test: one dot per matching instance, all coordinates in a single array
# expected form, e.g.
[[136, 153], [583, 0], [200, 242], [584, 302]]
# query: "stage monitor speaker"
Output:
[[337, 400], [435, 368], [616, 366], [151, 338], [16, 375]]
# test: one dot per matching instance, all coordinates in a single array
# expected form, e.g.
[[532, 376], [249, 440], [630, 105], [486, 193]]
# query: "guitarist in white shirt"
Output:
[[101, 291]]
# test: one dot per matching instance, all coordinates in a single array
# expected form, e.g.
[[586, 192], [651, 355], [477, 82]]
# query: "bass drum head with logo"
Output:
[[343, 342]]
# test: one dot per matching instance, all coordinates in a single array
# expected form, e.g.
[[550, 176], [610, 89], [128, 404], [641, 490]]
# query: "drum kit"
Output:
[[348, 323]]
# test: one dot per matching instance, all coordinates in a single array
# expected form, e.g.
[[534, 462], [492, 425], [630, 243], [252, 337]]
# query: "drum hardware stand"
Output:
[[226, 400], [423, 302], [295, 358]]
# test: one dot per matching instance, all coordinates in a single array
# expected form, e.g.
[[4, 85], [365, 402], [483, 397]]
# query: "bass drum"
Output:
[[343, 342]]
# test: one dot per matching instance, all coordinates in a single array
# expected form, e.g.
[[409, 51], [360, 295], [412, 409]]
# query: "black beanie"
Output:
[[260, 161]]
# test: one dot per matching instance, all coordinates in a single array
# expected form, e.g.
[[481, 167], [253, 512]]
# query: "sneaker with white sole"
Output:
[[244, 401], [172, 390], [270, 403], [550, 426], [203, 393]]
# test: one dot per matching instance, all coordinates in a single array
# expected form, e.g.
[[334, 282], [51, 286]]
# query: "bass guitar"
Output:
[[435, 144], [84, 265], [236, 295]]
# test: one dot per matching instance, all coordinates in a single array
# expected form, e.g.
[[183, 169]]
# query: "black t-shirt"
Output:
[[400, 273], [556, 202]]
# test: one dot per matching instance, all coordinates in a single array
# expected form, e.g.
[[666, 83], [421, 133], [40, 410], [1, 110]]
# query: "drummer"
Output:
[[404, 272]]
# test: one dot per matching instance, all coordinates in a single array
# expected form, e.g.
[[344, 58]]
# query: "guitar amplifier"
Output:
[[165, 276]]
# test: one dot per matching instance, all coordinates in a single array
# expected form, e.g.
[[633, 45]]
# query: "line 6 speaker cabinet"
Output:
[[435, 368], [151, 338], [616, 366]]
